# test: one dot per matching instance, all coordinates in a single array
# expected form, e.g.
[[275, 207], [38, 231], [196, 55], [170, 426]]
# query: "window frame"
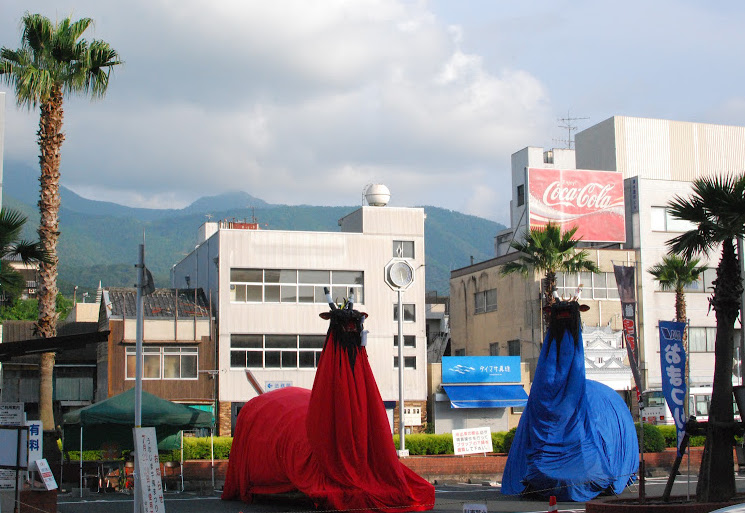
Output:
[[276, 346], [409, 311], [294, 286], [160, 353], [409, 341], [601, 286], [485, 301], [404, 249], [409, 362]]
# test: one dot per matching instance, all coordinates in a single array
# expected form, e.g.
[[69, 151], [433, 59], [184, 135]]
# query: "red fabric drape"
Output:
[[333, 444]]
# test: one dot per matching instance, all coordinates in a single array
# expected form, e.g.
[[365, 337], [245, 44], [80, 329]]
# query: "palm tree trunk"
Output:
[[716, 480], [548, 298], [50, 139], [681, 316]]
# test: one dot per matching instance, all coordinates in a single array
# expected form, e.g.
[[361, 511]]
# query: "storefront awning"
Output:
[[486, 396]]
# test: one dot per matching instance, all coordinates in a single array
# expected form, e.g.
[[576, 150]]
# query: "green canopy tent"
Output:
[[111, 421]]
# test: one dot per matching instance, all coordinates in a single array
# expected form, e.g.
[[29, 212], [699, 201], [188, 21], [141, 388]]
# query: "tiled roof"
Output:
[[167, 303]]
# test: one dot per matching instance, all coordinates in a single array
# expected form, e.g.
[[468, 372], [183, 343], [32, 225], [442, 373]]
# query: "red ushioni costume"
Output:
[[333, 443]]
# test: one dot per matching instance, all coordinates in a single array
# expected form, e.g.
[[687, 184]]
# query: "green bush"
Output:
[[422, 444], [497, 440], [509, 437], [653, 439], [670, 434]]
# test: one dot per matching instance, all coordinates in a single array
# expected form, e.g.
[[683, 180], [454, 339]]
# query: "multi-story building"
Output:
[[657, 159], [178, 349], [268, 290]]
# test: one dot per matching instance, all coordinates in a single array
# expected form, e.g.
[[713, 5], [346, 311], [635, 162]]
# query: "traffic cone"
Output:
[[552, 504]]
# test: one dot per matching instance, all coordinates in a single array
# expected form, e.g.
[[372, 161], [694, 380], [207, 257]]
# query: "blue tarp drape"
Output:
[[486, 396], [576, 438]]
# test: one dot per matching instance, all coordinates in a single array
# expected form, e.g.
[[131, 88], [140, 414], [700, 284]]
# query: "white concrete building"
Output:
[[658, 160], [267, 287]]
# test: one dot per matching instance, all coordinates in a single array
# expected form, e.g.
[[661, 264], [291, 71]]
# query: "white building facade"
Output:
[[658, 159], [267, 287]]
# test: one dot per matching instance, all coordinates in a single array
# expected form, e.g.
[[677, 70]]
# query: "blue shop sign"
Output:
[[480, 369]]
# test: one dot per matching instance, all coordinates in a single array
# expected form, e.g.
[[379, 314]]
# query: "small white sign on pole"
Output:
[[472, 440], [35, 440], [148, 470], [11, 414], [46, 474]]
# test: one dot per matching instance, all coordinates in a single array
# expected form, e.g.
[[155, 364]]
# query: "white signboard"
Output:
[[472, 440], [474, 508], [14, 443], [11, 414], [148, 470], [412, 415], [46, 474], [35, 437]]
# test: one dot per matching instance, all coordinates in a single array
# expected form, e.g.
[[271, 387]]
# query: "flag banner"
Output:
[[626, 291], [673, 362]]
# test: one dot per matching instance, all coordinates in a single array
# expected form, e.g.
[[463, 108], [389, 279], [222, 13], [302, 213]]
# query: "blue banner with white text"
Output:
[[673, 361], [481, 369]]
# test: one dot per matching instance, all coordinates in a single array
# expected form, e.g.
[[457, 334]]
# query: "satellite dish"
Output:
[[377, 195]]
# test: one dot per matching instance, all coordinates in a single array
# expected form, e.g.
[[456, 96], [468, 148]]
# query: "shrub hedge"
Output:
[[656, 438]]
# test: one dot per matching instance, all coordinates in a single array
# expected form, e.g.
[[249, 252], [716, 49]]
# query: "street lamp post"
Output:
[[399, 275]]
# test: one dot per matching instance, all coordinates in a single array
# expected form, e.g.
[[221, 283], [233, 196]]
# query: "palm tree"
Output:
[[549, 251], [53, 60], [676, 273], [13, 248], [717, 209]]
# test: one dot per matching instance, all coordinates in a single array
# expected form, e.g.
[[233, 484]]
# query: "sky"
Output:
[[308, 102]]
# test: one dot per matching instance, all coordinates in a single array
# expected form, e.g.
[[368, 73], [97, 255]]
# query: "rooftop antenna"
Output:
[[568, 124], [209, 217]]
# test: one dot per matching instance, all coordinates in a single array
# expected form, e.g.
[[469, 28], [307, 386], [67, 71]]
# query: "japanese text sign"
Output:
[[480, 369], [472, 440], [673, 362]]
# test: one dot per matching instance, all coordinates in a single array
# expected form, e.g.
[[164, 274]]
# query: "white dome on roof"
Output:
[[377, 195]]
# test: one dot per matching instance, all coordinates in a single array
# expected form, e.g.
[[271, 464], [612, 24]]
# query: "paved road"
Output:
[[449, 499]]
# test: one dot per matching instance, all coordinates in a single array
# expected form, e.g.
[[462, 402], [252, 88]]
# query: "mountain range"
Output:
[[99, 239]]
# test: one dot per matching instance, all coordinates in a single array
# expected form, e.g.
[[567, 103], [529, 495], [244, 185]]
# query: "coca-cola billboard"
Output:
[[590, 200]]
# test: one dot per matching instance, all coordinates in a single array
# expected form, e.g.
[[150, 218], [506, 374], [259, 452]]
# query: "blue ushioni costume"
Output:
[[576, 438]]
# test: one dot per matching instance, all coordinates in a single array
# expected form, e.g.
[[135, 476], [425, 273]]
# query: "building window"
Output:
[[513, 347], [294, 285], [409, 362], [494, 349], [275, 351], [403, 249], [409, 312], [594, 285], [409, 340], [166, 362], [663, 221], [520, 195], [485, 301]]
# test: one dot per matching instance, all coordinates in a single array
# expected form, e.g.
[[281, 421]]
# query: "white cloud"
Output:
[[307, 102]]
